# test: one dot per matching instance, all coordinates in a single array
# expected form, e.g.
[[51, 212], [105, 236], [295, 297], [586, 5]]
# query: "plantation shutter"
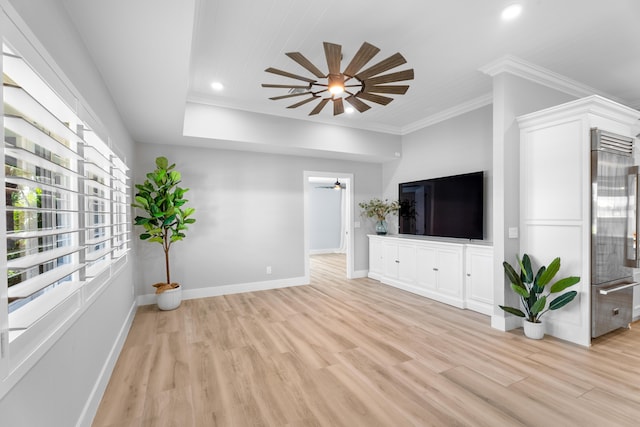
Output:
[[66, 197]]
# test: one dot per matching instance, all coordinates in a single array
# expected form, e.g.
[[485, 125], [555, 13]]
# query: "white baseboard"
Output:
[[93, 402], [216, 291], [456, 302], [359, 274], [505, 323], [326, 251]]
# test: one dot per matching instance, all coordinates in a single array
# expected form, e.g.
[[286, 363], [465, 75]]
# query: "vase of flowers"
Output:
[[379, 209]]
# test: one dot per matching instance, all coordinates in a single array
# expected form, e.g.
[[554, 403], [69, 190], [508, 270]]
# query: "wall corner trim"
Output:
[[532, 72]]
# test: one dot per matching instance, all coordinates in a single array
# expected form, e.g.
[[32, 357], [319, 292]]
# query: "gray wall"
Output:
[[249, 212], [56, 390], [455, 146], [325, 217]]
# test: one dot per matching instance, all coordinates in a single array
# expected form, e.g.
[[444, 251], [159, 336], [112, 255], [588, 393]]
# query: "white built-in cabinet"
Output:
[[458, 274], [555, 196], [479, 278]]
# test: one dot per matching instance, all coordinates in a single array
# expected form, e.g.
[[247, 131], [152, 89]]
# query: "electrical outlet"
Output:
[[268, 269]]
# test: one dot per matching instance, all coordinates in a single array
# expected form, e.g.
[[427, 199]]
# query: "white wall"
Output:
[[249, 212], [512, 96], [65, 386], [226, 128], [455, 146]]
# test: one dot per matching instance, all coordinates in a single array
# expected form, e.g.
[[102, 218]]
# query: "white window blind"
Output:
[[67, 206]]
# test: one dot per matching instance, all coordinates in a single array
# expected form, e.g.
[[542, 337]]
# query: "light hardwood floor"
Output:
[[358, 353]]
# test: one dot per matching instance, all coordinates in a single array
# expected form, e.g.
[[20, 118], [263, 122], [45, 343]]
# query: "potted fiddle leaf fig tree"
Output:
[[165, 221], [534, 293]]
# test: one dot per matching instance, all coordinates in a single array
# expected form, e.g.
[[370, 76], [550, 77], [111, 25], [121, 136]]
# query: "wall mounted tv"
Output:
[[450, 206]]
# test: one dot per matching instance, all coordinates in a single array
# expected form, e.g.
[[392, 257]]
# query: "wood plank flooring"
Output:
[[357, 353]]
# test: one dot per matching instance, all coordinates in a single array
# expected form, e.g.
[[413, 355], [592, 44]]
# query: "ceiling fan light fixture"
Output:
[[217, 86], [364, 84], [336, 84], [511, 12]]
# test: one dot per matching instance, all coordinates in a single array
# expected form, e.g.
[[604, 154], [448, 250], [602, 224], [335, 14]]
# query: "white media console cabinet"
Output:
[[459, 274]]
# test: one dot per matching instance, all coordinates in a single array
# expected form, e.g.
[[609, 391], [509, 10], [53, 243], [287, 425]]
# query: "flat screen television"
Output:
[[451, 206]]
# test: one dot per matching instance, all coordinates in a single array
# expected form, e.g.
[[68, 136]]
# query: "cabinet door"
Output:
[[407, 264], [479, 279], [376, 265], [391, 261], [426, 267], [449, 269]]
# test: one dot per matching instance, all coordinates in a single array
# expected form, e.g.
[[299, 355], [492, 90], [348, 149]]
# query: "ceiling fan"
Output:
[[336, 186], [359, 86]]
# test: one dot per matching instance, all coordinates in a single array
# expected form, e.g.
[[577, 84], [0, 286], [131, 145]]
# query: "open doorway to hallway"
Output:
[[328, 221]]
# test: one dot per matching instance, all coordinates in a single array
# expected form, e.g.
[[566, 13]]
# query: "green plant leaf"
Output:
[[526, 271], [142, 201], [187, 212], [174, 176], [520, 290], [169, 220], [563, 284], [513, 311], [145, 236], [549, 273], [562, 300], [140, 220], [538, 306], [512, 275], [162, 162], [537, 289]]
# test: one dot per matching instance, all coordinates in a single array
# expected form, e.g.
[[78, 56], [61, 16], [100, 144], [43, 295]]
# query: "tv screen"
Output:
[[451, 206]]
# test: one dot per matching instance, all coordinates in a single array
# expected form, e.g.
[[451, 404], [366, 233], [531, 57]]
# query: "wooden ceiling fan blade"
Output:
[[287, 86], [382, 66], [394, 89], [333, 52], [390, 78], [303, 61], [363, 55], [297, 104], [290, 75], [319, 107], [357, 104], [338, 106], [291, 95], [378, 99]]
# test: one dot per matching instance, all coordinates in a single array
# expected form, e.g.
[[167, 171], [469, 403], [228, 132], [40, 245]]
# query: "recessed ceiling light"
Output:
[[217, 86], [511, 12]]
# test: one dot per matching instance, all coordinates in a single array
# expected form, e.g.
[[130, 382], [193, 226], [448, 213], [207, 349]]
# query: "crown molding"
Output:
[[529, 71], [465, 107]]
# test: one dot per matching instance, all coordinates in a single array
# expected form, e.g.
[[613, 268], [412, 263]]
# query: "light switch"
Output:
[[513, 232], [356, 224]]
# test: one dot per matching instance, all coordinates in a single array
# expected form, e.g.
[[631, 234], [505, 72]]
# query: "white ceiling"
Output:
[[157, 55]]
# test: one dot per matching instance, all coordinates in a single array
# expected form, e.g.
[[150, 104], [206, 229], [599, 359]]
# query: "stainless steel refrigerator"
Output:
[[614, 224]]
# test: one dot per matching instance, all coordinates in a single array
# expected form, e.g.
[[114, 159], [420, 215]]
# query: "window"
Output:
[[67, 221]]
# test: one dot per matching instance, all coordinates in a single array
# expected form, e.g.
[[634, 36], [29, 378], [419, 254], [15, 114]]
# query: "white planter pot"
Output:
[[533, 330], [170, 300]]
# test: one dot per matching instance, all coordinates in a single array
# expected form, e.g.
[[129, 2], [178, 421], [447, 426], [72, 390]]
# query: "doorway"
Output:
[[337, 190]]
